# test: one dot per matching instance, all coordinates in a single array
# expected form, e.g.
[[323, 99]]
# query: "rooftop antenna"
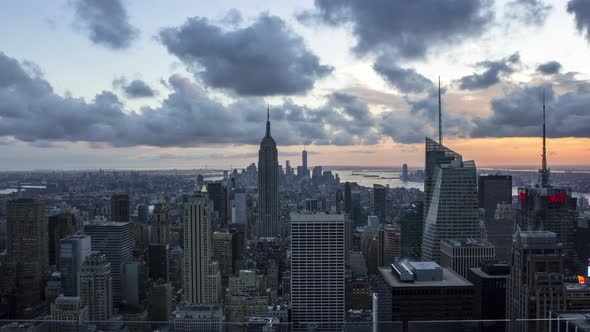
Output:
[[544, 171], [267, 120], [440, 141]]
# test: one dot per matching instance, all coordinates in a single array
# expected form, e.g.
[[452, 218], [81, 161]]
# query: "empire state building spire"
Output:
[[267, 121]]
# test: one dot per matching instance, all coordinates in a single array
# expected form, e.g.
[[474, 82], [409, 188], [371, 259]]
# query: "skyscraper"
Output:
[[405, 176], [380, 202], [160, 226], [450, 209], [304, 162], [493, 190], [120, 207], [411, 230], [462, 254], [550, 208], [96, 286], [59, 226], [347, 197], [197, 249], [218, 196], [535, 285], [317, 271], [73, 250], [27, 258], [268, 223], [115, 241]]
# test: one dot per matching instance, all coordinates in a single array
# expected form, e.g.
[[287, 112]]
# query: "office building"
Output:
[[198, 317], [160, 226], [135, 283], [120, 208], [347, 197], [380, 202], [73, 250], [493, 190], [536, 283], [198, 271], [489, 282], [218, 196], [304, 169], [240, 208], [161, 301], [551, 209], [391, 244], [411, 230], [450, 206], [317, 271], [27, 257], [222, 252], [68, 314], [160, 264], [405, 176], [268, 222], [115, 241], [462, 254], [499, 231], [59, 226], [96, 286], [415, 291]]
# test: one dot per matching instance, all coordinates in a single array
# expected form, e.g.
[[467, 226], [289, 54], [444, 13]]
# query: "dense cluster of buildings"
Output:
[[270, 248]]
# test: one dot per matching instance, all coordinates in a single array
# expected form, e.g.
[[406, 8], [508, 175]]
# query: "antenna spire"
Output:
[[544, 171], [267, 120], [440, 141]]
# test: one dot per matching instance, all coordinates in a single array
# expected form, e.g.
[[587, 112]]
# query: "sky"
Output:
[[88, 84]]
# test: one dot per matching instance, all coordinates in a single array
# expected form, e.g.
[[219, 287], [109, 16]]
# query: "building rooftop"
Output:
[[579, 319], [316, 217], [457, 243], [449, 279]]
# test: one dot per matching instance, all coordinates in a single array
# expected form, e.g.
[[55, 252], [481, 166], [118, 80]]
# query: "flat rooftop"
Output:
[[317, 217], [450, 279], [458, 243]]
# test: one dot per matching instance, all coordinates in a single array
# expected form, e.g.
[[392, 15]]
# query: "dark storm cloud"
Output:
[[494, 70], [405, 28], [134, 89], [106, 22], [265, 58], [581, 11], [405, 80], [549, 68], [531, 12], [519, 114], [32, 112]]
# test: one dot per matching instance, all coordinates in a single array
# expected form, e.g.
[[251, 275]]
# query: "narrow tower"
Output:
[[439, 115], [544, 171], [268, 221]]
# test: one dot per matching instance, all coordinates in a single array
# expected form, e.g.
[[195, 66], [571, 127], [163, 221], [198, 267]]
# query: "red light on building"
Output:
[[581, 280], [557, 198], [522, 197]]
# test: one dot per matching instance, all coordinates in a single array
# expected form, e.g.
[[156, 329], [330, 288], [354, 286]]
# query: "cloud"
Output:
[[263, 59], [549, 68], [134, 89], [407, 29], [530, 12], [581, 11], [105, 22], [519, 114], [494, 70], [405, 80], [31, 111]]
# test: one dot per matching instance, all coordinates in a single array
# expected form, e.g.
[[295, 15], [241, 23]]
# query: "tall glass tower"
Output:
[[450, 207]]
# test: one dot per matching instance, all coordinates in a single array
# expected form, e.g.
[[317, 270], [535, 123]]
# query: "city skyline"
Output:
[[158, 101]]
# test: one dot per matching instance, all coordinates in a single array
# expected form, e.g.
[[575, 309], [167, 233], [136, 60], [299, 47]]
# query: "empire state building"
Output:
[[267, 223]]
